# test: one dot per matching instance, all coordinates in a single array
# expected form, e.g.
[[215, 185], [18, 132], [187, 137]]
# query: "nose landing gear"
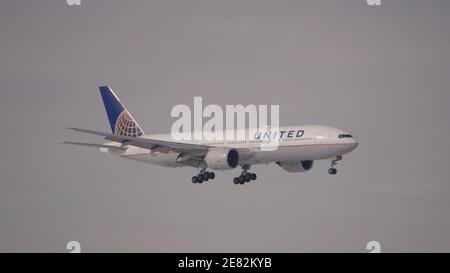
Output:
[[203, 176], [332, 170]]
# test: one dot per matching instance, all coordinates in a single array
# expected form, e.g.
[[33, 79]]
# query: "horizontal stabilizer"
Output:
[[148, 143], [163, 146], [94, 145]]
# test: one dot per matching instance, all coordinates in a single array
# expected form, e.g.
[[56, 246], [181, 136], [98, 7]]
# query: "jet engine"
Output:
[[295, 167], [222, 159]]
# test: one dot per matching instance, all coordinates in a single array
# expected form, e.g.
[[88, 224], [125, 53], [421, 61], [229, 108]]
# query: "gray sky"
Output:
[[381, 73]]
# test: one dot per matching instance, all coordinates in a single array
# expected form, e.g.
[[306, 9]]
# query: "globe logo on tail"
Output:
[[126, 126]]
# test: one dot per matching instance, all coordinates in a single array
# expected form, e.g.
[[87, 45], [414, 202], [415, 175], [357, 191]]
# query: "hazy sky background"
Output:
[[381, 73]]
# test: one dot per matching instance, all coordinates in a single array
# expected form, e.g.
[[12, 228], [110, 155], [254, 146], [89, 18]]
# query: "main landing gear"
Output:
[[203, 176], [332, 170], [245, 176]]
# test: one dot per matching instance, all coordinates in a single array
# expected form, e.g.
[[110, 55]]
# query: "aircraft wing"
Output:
[[190, 151], [148, 143]]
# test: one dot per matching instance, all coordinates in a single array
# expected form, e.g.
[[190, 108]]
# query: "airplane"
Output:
[[298, 146]]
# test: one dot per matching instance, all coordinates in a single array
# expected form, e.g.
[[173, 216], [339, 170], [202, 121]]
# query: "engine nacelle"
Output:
[[295, 167], [222, 159]]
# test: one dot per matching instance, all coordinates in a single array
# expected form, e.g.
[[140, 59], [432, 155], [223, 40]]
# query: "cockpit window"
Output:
[[344, 136]]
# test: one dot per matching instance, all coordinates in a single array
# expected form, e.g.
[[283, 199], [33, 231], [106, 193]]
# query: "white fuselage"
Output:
[[314, 142]]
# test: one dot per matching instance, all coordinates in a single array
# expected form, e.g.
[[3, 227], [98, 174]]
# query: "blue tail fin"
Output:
[[121, 121]]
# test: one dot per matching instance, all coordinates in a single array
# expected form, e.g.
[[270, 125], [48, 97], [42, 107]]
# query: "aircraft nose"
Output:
[[354, 143]]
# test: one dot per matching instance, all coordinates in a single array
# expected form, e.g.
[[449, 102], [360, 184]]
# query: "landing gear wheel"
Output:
[[242, 179], [247, 177], [212, 175], [332, 171], [200, 178], [253, 176], [194, 179], [236, 180], [206, 176]]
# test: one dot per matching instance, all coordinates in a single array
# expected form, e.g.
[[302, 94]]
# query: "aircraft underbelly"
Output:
[[282, 154], [296, 153]]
